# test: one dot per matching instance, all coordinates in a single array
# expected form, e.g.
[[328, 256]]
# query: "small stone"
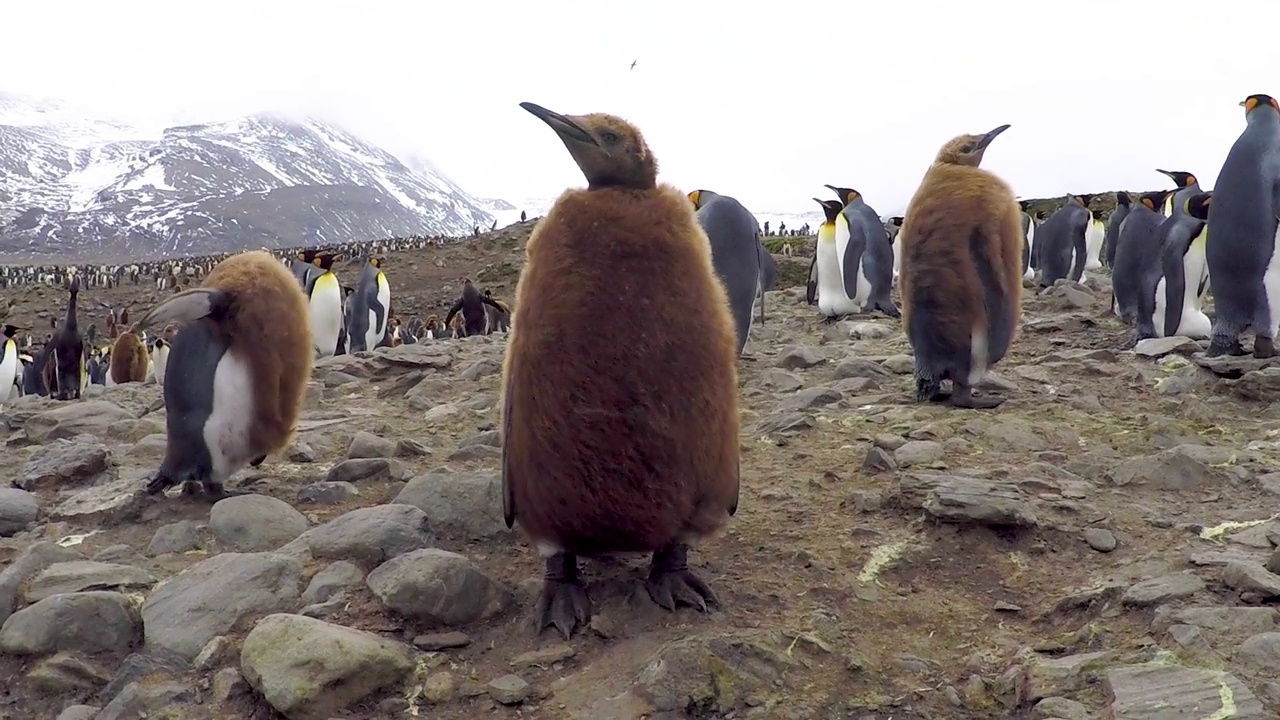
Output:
[[442, 641], [508, 689], [179, 537], [1162, 589], [1100, 539], [367, 445], [440, 687], [229, 684], [545, 656], [918, 452], [878, 460]]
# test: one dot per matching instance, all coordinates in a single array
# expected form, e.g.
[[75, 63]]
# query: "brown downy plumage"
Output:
[[620, 419], [961, 275], [254, 305], [129, 358]]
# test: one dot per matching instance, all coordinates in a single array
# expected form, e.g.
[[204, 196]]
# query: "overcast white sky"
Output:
[[763, 102]]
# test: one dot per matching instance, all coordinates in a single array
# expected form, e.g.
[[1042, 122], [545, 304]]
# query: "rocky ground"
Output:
[[1101, 546]]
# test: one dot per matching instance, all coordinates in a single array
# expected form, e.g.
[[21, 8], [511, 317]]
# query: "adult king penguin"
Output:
[[1113, 228], [1178, 293], [826, 276], [893, 226], [1062, 246], [620, 419], [10, 365], [1029, 225], [325, 314], [368, 308], [961, 272], [866, 260], [236, 373], [1244, 265], [735, 253], [1137, 253]]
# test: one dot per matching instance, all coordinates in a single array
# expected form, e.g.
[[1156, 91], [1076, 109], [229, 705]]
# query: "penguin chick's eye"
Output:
[[609, 137], [968, 148]]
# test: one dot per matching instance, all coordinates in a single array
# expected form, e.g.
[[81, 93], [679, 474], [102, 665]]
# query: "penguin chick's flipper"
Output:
[[186, 306], [963, 397], [672, 584], [564, 604]]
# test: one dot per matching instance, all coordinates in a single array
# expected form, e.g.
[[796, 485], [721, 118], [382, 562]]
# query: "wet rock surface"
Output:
[[1101, 545]]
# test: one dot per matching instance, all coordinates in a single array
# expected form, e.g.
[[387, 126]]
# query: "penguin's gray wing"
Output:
[[811, 285], [853, 253], [187, 306], [508, 496], [1172, 269], [1078, 224], [379, 312]]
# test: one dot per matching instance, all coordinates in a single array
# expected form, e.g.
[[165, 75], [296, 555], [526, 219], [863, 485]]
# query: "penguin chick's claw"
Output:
[[158, 484], [564, 604], [671, 584], [963, 397]]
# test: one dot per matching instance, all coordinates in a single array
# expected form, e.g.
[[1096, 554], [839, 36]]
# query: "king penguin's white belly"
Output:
[[897, 255], [831, 298], [1161, 304], [160, 361], [1030, 272], [8, 370], [1093, 238], [372, 336], [864, 287], [326, 314], [227, 431], [1271, 285], [1194, 324]]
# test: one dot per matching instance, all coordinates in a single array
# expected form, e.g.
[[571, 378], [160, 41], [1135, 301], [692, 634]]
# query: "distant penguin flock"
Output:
[[620, 425]]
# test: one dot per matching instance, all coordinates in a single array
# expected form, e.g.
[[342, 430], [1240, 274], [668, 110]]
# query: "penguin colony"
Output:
[[620, 429]]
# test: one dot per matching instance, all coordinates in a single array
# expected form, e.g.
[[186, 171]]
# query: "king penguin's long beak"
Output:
[[565, 127], [991, 135]]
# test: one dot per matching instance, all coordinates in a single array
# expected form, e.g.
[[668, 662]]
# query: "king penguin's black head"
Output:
[[830, 208], [1256, 101], [1198, 205], [1180, 178]]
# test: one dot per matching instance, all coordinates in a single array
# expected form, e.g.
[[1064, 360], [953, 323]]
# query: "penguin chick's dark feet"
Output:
[[830, 319], [564, 604], [1264, 347], [216, 492], [963, 397], [158, 484], [1218, 348], [671, 584], [257, 461]]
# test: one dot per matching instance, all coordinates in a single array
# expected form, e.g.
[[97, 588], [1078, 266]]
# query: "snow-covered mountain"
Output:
[[538, 206], [77, 186]]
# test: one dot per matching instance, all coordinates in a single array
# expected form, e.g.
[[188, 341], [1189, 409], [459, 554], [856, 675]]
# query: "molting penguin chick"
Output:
[[620, 419], [239, 367], [961, 272]]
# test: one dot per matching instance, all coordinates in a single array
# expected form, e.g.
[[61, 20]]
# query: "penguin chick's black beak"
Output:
[[566, 128], [991, 135]]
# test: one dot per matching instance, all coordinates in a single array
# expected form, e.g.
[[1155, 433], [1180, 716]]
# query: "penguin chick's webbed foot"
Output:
[[963, 397], [1217, 348], [1263, 347], [671, 584], [564, 604]]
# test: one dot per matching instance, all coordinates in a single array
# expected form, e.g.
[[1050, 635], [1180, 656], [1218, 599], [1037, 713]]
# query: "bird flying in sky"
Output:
[[633, 64]]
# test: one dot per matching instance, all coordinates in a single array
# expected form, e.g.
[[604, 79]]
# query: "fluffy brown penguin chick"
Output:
[[129, 358], [620, 419], [961, 272]]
